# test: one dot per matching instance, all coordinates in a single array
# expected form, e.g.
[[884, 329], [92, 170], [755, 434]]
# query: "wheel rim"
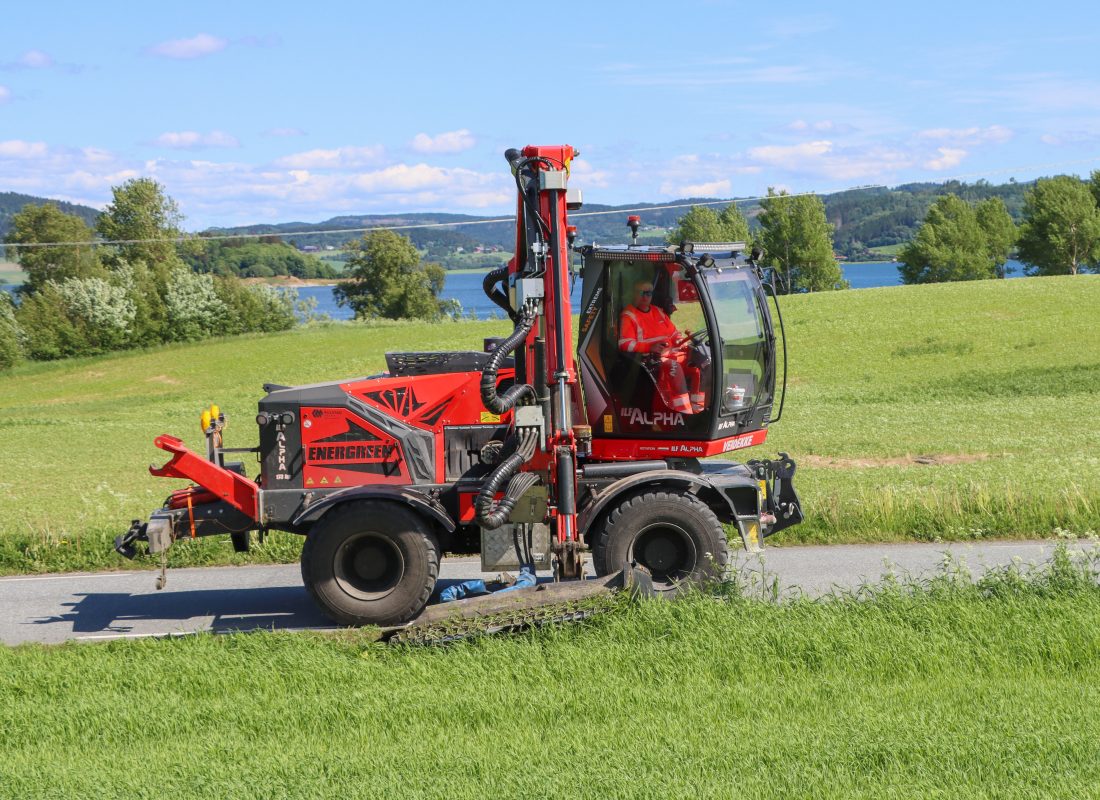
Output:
[[666, 550], [368, 566]]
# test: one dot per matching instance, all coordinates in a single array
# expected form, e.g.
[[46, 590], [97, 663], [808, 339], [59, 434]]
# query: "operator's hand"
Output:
[[659, 348]]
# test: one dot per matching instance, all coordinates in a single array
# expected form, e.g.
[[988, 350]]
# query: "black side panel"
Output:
[[281, 448], [403, 364], [281, 445], [463, 443], [417, 446]]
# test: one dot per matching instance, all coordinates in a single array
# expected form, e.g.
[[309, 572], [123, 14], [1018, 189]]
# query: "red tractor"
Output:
[[533, 452]]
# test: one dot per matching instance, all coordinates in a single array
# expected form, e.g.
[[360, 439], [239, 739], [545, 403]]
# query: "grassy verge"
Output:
[[11, 274], [955, 411], [951, 690]]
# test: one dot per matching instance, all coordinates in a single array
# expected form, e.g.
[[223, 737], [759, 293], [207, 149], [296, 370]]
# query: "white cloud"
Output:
[[18, 149], [337, 158], [39, 59], [790, 156], [820, 126], [35, 59], [688, 175], [583, 175], [406, 178], [823, 159], [449, 142], [993, 134], [719, 188], [1070, 138], [948, 157], [204, 44], [193, 140], [5, 94], [284, 132]]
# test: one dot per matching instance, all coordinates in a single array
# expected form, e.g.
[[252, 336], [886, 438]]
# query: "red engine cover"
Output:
[[341, 448]]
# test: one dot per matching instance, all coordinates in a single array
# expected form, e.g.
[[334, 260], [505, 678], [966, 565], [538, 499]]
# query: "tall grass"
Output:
[[998, 381], [946, 689]]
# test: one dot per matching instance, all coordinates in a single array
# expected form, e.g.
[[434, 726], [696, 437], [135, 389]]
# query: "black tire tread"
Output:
[[359, 510], [632, 502]]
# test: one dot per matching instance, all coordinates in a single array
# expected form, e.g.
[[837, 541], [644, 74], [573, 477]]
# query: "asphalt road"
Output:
[[111, 605]]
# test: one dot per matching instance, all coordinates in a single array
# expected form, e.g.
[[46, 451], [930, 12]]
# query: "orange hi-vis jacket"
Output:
[[642, 331]]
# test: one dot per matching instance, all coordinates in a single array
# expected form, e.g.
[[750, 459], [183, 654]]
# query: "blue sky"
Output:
[[257, 112]]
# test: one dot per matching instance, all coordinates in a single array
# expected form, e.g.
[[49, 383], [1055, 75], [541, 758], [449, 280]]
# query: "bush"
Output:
[[76, 317], [195, 311], [258, 271], [254, 308], [11, 350], [147, 294]]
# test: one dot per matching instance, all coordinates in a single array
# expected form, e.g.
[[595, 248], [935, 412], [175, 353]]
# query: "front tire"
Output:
[[370, 563], [674, 535]]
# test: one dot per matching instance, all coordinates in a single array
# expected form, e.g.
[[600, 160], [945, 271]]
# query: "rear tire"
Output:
[[674, 535], [370, 563]]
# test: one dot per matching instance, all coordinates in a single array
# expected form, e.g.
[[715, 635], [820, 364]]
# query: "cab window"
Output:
[[743, 337]]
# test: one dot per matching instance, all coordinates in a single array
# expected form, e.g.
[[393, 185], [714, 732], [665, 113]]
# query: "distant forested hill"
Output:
[[12, 203], [864, 218]]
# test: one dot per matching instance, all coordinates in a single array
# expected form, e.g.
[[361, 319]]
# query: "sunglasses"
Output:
[[646, 292]]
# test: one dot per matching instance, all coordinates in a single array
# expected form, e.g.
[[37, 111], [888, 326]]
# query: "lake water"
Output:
[[466, 288]]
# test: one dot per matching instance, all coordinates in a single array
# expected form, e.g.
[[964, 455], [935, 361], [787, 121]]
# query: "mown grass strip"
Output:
[[949, 689]]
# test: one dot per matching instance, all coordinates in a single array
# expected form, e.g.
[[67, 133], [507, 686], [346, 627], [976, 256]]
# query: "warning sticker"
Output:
[[608, 423], [489, 416]]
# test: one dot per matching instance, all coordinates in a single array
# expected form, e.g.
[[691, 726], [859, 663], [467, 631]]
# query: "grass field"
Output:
[[951, 691], [887, 249], [951, 411], [10, 273]]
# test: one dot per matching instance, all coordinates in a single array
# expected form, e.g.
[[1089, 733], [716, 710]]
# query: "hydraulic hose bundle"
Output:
[[492, 514], [489, 285], [503, 403]]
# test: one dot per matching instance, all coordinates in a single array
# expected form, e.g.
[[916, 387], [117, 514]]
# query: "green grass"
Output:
[[11, 274], [887, 249], [949, 691], [999, 381], [477, 262], [1001, 377]]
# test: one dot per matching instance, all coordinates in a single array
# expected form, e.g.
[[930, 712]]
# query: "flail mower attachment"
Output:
[[520, 610]]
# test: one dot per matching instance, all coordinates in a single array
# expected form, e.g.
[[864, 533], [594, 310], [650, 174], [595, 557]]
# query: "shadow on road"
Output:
[[228, 610]]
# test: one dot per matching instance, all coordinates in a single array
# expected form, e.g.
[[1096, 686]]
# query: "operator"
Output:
[[644, 328]]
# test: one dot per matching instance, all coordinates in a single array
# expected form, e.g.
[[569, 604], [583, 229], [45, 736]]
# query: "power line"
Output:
[[512, 219]]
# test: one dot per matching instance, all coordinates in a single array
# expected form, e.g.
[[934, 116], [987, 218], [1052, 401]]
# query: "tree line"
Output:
[[793, 234], [85, 299], [1059, 234], [959, 239]]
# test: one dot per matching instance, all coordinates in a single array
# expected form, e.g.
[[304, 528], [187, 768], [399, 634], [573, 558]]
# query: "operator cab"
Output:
[[675, 343]]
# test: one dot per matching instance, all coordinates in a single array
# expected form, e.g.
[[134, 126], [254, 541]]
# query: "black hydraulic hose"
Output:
[[489, 285], [492, 514], [502, 403]]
